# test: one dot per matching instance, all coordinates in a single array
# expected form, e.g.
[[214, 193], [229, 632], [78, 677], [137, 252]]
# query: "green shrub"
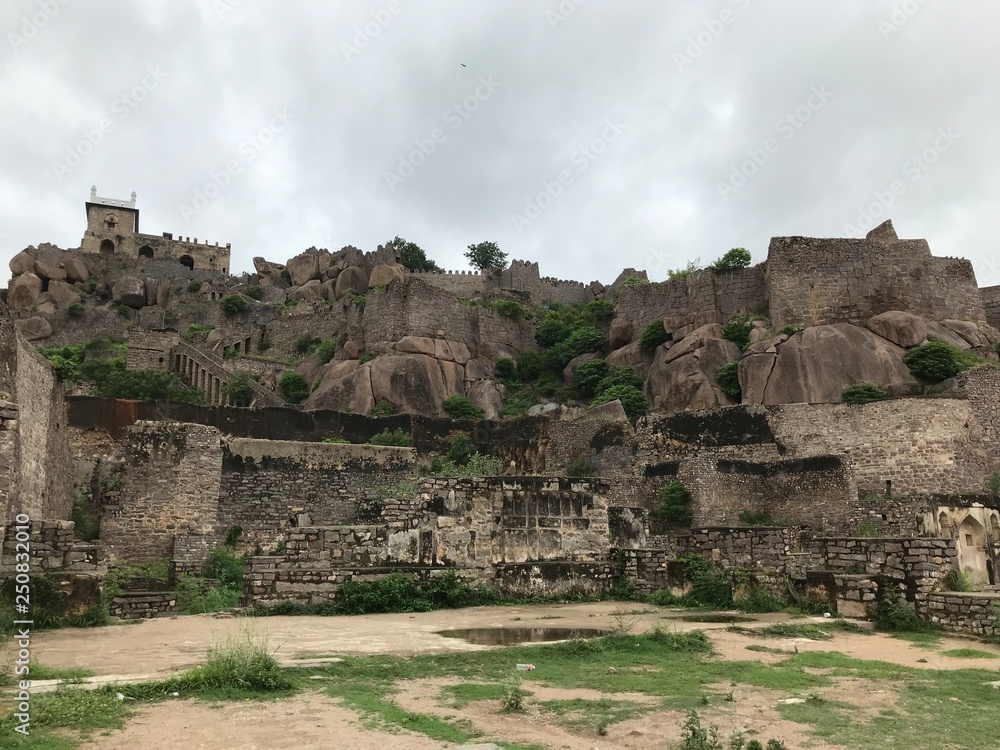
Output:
[[293, 387], [681, 274], [617, 376], [674, 504], [478, 466], [759, 600], [934, 361], [958, 580], [233, 304], [514, 696], [225, 566], [240, 663], [653, 335], [307, 343], [112, 380], [755, 518], [325, 350], [383, 409], [863, 393], [530, 366], [711, 586], [789, 330], [196, 329], [365, 358], [993, 483], [358, 300], [87, 518], [459, 407], [255, 291], [588, 376], [75, 310], [340, 441], [598, 311], [506, 369], [515, 406], [412, 256], [394, 437], [239, 389], [728, 379], [580, 468], [867, 530], [633, 400], [894, 614], [738, 330], [583, 341], [511, 309], [736, 258], [194, 286], [461, 449]]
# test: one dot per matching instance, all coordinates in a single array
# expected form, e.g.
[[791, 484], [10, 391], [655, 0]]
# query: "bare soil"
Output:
[[310, 720]]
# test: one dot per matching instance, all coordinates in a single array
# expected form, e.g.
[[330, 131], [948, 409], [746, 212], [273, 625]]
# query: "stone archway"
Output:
[[145, 251], [972, 550], [107, 246], [187, 261]]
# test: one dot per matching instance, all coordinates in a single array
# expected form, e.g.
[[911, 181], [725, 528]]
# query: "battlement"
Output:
[[441, 272], [116, 202]]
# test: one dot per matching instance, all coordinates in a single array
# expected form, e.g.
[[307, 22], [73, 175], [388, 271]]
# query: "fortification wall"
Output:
[[820, 281], [522, 276], [267, 486], [417, 308], [919, 445], [500, 330], [35, 457], [465, 284], [150, 350], [564, 292], [170, 488], [982, 387], [991, 304]]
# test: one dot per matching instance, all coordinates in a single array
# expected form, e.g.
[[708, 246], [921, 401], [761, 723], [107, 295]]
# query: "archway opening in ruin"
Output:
[[944, 525], [972, 549], [145, 251], [187, 261], [107, 246]]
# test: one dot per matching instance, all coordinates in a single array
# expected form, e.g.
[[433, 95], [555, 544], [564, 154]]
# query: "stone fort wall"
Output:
[[990, 296], [820, 281]]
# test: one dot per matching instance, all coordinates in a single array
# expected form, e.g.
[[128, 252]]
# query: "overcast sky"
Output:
[[584, 134]]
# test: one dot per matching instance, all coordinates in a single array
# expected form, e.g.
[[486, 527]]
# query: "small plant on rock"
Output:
[[729, 380], [459, 407], [674, 504], [395, 437], [653, 336], [233, 304], [293, 387], [383, 409], [863, 393]]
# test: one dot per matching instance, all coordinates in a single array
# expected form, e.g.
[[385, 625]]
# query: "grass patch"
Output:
[[458, 696], [927, 640], [970, 653], [594, 715]]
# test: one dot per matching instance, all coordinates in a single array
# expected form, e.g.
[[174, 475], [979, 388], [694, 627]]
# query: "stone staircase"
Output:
[[209, 374]]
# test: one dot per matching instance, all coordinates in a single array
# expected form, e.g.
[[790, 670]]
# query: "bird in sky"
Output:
[[463, 65]]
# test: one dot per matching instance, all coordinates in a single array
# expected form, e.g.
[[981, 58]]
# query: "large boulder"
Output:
[[415, 345], [311, 291], [269, 273], [416, 383], [344, 385], [23, 262], [451, 351], [683, 377], [937, 331], [130, 291], [76, 269], [34, 328], [303, 268], [901, 328], [24, 291], [817, 364], [968, 331], [620, 333], [50, 271], [488, 396], [884, 233], [632, 356], [352, 280], [63, 294], [386, 273]]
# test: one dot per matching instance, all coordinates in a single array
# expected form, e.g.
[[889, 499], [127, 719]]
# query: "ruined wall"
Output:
[[170, 488], [564, 292], [990, 296], [53, 548], [417, 308], [820, 281], [817, 492], [267, 486], [606, 445], [920, 445], [465, 284], [969, 613], [35, 459], [150, 350], [982, 387]]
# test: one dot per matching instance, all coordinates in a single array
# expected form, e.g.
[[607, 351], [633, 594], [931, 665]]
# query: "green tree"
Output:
[[729, 380], [459, 407], [589, 375], [738, 257], [486, 256], [862, 393], [293, 387], [233, 304], [653, 335], [934, 361], [633, 400], [674, 504], [617, 376], [412, 256], [239, 389]]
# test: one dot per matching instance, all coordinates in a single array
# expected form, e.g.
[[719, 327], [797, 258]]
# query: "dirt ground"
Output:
[[313, 721]]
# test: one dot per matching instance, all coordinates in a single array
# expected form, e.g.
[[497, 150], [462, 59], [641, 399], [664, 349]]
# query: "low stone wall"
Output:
[[52, 547], [972, 614], [142, 605], [919, 565], [554, 578]]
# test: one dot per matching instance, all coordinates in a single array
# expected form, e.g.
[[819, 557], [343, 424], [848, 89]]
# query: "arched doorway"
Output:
[[145, 251], [972, 549], [107, 246], [187, 261]]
